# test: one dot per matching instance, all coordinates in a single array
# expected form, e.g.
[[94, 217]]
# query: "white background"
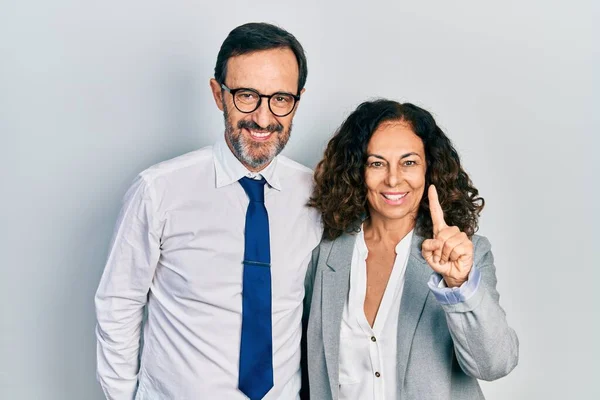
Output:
[[93, 92]]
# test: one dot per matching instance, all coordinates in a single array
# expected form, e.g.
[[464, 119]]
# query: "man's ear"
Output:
[[298, 103], [217, 93]]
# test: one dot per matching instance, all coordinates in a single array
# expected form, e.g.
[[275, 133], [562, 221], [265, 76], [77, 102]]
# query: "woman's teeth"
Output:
[[394, 197]]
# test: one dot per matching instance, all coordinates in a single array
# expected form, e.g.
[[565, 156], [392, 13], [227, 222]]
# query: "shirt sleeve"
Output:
[[123, 292], [446, 295]]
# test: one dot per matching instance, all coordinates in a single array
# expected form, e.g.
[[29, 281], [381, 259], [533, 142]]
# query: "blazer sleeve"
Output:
[[486, 347], [309, 282], [308, 290]]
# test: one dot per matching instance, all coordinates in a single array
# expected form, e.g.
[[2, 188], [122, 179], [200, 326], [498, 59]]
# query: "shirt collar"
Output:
[[403, 247], [228, 169], [360, 243]]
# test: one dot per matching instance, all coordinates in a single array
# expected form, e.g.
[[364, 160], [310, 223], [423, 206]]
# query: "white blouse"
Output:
[[368, 355]]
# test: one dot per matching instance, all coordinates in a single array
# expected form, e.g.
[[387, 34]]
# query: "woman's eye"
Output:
[[376, 164], [409, 163]]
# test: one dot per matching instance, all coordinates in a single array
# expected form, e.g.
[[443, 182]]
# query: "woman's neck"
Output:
[[392, 231]]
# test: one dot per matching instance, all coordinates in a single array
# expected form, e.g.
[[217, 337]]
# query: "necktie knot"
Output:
[[255, 189]]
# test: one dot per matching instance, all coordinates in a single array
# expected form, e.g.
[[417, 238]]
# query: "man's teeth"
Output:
[[394, 197], [260, 134]]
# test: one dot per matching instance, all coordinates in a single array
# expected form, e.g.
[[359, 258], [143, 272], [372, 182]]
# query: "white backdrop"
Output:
[[92, 92]]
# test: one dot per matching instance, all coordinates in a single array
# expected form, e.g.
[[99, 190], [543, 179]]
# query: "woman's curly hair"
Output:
[[340, 190]]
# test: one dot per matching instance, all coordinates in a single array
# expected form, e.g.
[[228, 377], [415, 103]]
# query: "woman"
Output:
[[402, 294]]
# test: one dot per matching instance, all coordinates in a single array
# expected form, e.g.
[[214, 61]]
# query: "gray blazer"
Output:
[[442, 349]]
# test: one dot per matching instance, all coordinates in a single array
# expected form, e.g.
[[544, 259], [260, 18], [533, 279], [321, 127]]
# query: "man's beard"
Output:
[[254, 154]]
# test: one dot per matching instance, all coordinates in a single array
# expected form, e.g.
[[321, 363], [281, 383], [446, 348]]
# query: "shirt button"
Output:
[[373, 339], [377, 374]]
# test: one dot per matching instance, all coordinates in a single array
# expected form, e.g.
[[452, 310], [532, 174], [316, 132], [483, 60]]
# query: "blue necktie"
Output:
[[256, 349]]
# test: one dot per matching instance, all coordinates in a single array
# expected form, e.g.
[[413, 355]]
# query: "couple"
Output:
[[367, 273]]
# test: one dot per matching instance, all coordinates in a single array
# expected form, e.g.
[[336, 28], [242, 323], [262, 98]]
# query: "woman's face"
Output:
[[395, 172]]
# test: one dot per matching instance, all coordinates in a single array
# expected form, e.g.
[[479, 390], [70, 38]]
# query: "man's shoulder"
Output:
[[294, 166], [197, 159], [295, 175]]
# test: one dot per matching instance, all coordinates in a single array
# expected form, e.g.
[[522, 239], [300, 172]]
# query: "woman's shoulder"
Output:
[[324, 248], [481, 242], [482, 249], [338, 247], [345, 239]]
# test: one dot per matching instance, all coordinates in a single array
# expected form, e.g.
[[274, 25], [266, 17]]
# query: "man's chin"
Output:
[[258, 154], [258, 161], [261, 152]]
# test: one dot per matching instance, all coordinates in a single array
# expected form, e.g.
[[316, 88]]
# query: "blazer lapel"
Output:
[[336, 285], [413, 300]]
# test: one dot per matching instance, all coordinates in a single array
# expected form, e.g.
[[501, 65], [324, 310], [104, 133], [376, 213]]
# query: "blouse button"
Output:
[[377, 374], [373, 339]]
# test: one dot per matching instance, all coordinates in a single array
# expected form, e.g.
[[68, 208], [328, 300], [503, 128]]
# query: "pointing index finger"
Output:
[[437, 214]]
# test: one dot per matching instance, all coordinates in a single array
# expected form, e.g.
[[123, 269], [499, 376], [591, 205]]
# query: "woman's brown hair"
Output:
[[340, 191]]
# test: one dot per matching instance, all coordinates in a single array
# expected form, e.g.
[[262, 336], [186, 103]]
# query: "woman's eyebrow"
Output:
[[412, 153], [376, 156]]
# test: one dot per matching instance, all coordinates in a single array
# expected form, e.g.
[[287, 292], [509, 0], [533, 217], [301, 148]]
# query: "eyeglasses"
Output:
[[248, 100]]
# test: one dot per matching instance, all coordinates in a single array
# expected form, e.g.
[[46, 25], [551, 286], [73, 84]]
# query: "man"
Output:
[[216, 243]]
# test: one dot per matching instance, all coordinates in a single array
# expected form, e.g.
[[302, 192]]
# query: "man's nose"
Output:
[[262, 115]]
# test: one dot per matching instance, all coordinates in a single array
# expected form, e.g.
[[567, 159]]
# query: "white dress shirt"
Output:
[[178, 247], [368, 367]]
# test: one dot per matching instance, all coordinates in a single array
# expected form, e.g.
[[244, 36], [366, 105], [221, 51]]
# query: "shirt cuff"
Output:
[[455, 295]]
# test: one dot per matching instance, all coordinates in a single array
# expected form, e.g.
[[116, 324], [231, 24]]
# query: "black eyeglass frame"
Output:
[[296, 98]]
